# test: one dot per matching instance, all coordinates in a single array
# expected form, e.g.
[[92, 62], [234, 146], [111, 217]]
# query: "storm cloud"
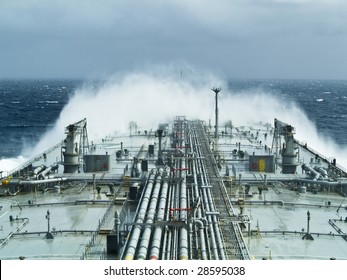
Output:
[[239, 38]]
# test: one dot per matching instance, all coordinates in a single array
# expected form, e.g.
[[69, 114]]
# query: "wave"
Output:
[[16, 125], [159, 94], [49, 102]]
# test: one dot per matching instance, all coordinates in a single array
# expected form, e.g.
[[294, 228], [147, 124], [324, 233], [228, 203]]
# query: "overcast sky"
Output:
[[239, 38]]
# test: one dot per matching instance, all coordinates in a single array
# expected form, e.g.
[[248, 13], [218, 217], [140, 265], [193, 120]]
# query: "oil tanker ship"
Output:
[[183, 190]]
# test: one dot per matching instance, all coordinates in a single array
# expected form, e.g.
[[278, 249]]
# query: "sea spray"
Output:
[[158, 95]]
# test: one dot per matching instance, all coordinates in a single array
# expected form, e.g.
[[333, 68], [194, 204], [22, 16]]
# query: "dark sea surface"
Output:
[[30, 107], [323, 101]]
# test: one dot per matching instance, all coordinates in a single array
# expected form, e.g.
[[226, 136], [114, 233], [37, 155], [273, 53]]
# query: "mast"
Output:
[[216, 91]]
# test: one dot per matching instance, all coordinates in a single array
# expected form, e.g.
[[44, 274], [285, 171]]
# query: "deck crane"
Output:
[[74, 152], [287, 151]]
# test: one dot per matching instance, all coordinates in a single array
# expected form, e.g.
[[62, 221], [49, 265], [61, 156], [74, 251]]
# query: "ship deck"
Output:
[[256, 211]]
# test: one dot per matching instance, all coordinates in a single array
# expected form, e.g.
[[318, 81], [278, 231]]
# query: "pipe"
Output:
[[170, 230], [210, 224], [313, 172], [207, 200], [39, 169], [200, 223], [165, 242], [289, 179], [175, 204], [214, 233], [36, 182], [323, 183], [136, 230], [197, 199], [216, 236], [145, 237], [183, 234], [157, 235], [250, 202], [47, 170], [322, 171]]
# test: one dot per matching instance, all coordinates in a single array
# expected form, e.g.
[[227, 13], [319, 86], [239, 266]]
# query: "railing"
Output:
[[95, 233], [304, 145], [18, 168]]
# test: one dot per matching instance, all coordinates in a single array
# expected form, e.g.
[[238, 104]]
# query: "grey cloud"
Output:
[[247, 38]]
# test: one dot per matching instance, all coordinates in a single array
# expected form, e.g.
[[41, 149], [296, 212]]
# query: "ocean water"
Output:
[[323, 101], [31, 108], [28, 109]]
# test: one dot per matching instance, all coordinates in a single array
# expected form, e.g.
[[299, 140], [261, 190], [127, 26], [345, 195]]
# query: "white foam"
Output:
[[160, 94]]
